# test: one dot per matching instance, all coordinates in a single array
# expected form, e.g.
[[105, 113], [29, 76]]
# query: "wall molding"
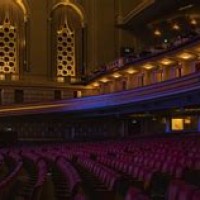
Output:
[[122, 20]]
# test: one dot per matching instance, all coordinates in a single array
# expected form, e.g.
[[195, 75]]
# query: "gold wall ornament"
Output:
[[8, 47], [66, 51], [77, 8], [24, 8]]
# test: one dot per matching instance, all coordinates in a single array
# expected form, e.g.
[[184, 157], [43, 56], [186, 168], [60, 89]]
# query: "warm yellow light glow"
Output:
[[197, 49], [157, 32], [176, 27], [131, 71], [60, 79], [79, 93], [21, 4], [166, 61], [14, 77], [31, 107], [148, 66], [116, 75], [95, 84], [193, 22], [104, 80], [177, 124], [2, 77], [186, 56], [187, 121]]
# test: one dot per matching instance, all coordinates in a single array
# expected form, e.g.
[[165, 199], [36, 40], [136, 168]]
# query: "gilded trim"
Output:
[[77, 8], [23, 7]]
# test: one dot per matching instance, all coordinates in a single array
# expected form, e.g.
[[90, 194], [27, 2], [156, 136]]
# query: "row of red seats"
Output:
[[180, 190], [106, 175], [70, 174], [7, 182]]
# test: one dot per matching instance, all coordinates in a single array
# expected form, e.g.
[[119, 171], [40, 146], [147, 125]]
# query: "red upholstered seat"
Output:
[[186, 192], [135, 194], [132, 193], [196, 195], [174, 189]]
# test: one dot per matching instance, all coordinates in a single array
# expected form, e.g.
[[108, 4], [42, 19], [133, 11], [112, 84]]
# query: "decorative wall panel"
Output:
[[8, 47], [65, 51]]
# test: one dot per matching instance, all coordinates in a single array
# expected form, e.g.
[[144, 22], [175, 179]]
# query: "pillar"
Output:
[[168, 125]]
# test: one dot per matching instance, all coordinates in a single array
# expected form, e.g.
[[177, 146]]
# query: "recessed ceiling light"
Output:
[[104, 80], [166, 61], [148, 66], [131, 71], [157, 32], [193, 22], [95, 84], [116, 75], [186, 56], [176, 27]]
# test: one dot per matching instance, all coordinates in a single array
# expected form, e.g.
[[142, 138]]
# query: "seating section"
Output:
[[70, 174], [133, 169], [8, 177], [147, 53]]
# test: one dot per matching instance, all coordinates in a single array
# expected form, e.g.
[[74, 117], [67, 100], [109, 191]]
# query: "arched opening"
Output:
[[67, 42], [12, 40]]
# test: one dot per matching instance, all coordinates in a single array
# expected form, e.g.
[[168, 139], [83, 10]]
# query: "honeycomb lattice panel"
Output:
[[7, 48], [65, 52]]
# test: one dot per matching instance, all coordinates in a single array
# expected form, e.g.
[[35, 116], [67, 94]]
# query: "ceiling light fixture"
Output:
[[96, 84], [104, 80], [193, 22], [157, 32], [186, 56], [116, 75], [148, 66], [131, 71], [176, 27], [166, 61]]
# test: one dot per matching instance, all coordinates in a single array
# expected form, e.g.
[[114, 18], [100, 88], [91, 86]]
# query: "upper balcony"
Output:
[[167, 78], [152, 67]]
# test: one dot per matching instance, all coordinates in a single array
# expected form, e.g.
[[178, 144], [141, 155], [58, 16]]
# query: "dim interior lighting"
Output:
[[148, 66], [164, 121], [186, 56], [131, 71], [21, 4], [177, 124], [186, 7], [166, 61], [176, 27], [157, 32], [96, 84], [197, 49], [14, 77], [141, 115], [104, 80], [165, 41], [193, 22], [187, 121], [134, 121], [60, 79], [154, 119], [116, 75], [24, 43], [2, 77]]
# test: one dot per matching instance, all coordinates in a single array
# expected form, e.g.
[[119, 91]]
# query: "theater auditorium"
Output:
[[99, 100]]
